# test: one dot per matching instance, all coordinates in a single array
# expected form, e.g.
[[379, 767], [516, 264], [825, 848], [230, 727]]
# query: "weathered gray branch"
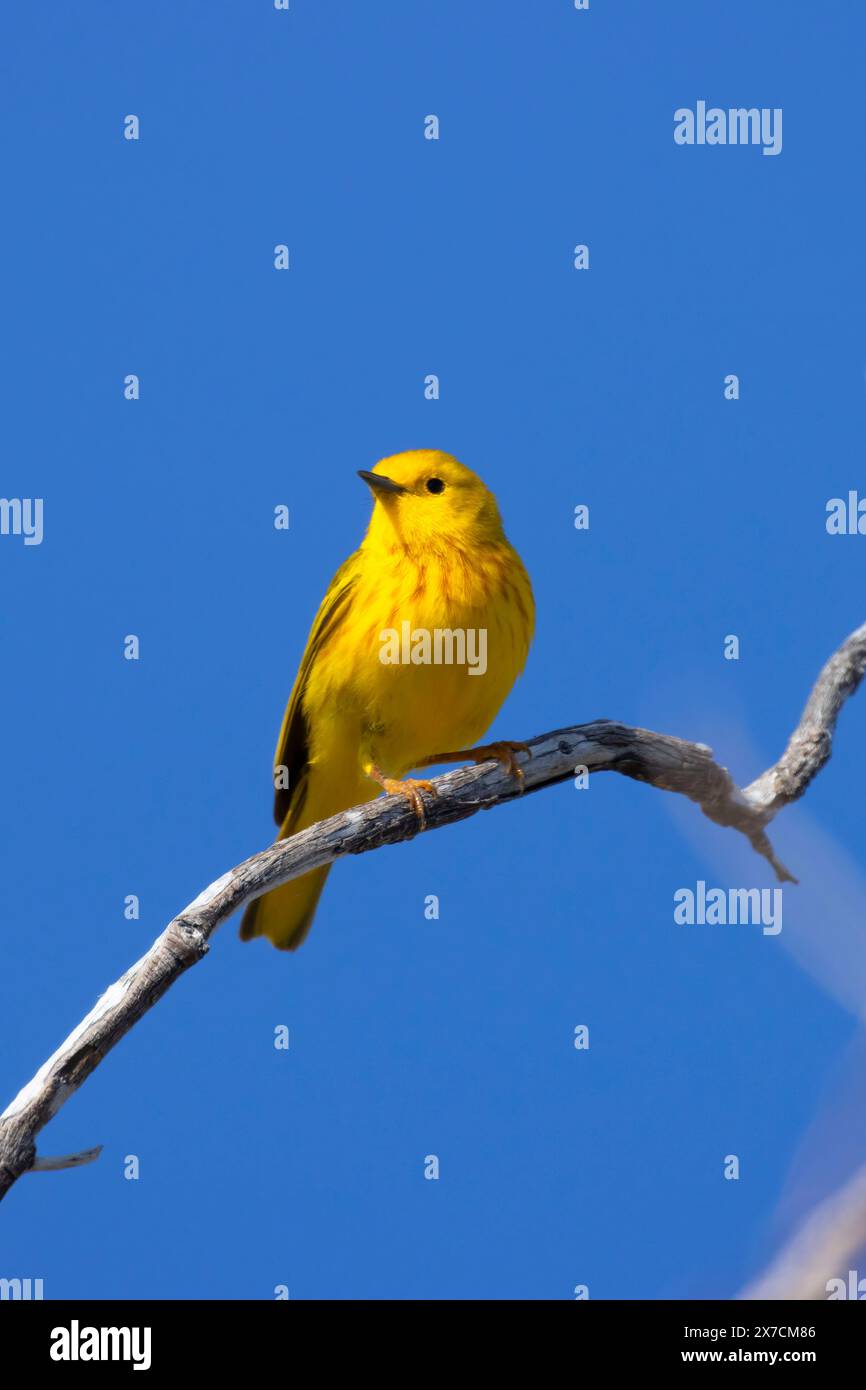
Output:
[[53, 1165], [602, 746]]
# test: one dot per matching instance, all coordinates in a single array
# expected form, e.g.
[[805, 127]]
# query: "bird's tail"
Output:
[[285, 915]]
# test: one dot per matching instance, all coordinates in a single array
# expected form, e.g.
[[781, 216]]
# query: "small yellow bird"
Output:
[[417, 642]]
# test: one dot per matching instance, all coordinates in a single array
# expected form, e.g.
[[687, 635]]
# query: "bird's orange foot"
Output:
[[408, 787], [503, 752]]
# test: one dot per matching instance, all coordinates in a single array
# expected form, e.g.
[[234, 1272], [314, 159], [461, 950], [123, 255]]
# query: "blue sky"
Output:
[[305, 1168]]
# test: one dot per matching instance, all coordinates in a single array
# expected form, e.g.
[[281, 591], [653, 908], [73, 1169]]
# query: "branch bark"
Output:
[[660, 760]]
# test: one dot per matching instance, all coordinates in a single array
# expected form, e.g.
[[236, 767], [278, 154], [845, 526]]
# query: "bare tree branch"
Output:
[[53, 1165], [603, 746]]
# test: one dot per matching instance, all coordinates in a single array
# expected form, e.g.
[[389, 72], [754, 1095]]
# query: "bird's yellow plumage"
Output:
[[371, 701]]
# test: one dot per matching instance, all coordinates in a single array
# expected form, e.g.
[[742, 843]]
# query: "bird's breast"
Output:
[[428, 652]]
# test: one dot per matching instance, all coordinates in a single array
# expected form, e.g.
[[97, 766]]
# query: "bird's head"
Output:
[[426, 500]]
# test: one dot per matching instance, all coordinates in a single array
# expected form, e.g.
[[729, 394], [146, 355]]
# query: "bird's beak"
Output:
[[378, 483]]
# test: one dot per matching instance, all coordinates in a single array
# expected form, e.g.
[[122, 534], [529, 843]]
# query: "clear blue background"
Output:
[[411, 1037]]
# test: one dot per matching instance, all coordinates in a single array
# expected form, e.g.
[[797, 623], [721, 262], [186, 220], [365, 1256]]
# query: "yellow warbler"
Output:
[[417, 642]]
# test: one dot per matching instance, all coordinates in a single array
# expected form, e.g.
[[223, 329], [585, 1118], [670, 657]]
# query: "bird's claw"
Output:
[[504, 752], [411, 788]]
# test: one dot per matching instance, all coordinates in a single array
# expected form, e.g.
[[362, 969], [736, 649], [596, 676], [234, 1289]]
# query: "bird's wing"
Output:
[[294, 740]]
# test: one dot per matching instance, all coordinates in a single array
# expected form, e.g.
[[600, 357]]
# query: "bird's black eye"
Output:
[[435, 485]]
